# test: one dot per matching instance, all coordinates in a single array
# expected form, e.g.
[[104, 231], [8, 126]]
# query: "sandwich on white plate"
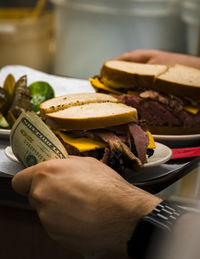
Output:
[[166, 97], [101, 126]]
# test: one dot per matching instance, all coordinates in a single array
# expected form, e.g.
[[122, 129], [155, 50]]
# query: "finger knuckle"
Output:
[[41, 175], [48, 166], [37, 195]]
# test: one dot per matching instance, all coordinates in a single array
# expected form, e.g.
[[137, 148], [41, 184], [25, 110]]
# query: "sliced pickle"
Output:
[[3, 100], [22, 97], [9, 86], [11, 118]]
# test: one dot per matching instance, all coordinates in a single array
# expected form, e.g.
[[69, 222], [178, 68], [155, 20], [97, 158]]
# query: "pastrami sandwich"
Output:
[[166, 97], [99, 125]]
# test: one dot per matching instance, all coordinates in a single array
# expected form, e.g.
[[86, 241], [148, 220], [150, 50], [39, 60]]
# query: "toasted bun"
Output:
[[123, 74], [86, 111]]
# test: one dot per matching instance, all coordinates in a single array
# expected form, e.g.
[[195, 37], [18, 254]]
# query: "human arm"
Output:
[[151, 56], [84, 204]]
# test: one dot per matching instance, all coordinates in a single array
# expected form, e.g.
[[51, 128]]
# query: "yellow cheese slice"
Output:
[[96, 83], [82, 144], [192, 109], [152, 144], [87, 144]]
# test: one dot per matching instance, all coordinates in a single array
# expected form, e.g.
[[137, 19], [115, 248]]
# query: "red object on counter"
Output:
[[185, 152]]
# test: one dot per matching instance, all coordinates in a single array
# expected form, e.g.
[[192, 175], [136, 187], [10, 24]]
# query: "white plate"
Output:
[[177, 137], [4, 132], [10, 155], [161, 155], [178, 141]]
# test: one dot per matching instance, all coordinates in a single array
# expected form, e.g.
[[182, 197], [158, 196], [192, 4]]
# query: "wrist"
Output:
[[145, 204], [139, 204]]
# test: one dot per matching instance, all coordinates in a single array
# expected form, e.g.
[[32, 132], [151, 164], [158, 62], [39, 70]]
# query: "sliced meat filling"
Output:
[[127, 146], [106, 156], [140, 139], [117, 146], [161, 110]]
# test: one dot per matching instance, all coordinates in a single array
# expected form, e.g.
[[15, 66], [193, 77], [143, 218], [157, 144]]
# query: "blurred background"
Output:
[[74, 37]]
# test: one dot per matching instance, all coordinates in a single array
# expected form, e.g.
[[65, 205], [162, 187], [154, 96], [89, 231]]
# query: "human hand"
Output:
[[84, 204], [150, 56]]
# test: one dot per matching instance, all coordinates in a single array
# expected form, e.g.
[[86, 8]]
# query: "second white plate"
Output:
[[176, 141], [161, 155], [177, 137]]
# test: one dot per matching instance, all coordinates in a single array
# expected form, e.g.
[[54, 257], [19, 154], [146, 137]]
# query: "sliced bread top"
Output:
[[123, 74], [179, 80], [65, 101], [91, 116], [86, 111]]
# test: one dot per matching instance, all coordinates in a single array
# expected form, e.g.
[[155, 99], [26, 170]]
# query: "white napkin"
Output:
[[7, 166], [61, 85]]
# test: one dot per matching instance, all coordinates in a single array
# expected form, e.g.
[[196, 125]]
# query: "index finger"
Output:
[[22, 181]]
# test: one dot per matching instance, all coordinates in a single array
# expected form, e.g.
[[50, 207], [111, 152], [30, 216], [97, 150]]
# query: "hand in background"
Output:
[[84, 204], [160, 57]]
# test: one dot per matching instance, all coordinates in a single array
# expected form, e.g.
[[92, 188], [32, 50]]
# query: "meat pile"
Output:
[[162, 110], [126, 146]]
